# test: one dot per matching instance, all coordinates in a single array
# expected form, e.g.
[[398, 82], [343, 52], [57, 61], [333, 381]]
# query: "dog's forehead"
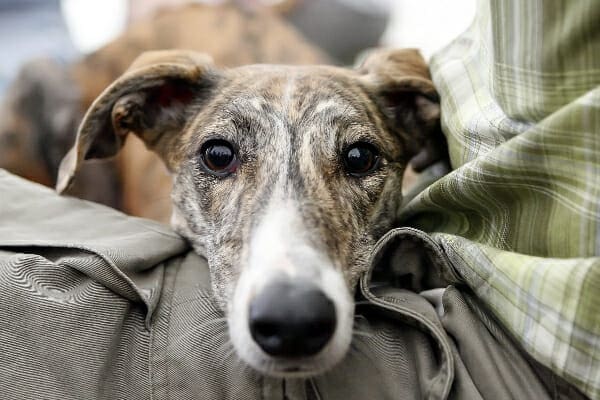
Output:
[[293, 95], [295, 87], [328, 104]]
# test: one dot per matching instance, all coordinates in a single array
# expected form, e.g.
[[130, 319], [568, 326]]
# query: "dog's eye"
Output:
[[219, 157], [360, 159]]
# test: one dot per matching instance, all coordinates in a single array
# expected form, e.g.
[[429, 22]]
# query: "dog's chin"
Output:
[[301, 368]]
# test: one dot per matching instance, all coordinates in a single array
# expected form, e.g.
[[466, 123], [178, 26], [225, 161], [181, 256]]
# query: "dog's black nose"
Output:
[[292, 320]]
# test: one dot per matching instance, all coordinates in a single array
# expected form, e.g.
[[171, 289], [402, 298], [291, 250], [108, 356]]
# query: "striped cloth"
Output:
[[519, 216]]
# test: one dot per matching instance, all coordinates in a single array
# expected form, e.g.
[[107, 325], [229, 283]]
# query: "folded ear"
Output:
[[402, 86], [153, 99]]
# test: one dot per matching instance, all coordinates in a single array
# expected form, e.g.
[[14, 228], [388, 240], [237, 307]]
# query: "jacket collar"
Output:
[[125, 250], [406, 261]]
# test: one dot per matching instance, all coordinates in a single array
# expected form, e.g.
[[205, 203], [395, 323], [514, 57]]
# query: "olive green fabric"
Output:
[[519, 216], [98, 305]]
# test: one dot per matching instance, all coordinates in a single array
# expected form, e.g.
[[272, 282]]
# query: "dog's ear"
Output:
[[402, 87], [152, 99]]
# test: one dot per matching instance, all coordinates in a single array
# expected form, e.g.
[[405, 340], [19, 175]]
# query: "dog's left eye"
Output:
[[360, 159], [218, 156]]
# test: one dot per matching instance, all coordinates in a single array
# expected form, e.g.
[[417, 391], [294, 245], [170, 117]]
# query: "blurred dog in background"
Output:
[[45, 104]]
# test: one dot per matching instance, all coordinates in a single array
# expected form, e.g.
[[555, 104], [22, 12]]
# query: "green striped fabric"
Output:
[[519, 216]]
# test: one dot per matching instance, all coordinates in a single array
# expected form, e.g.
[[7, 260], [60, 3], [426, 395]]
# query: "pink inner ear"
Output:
[[172, 92]]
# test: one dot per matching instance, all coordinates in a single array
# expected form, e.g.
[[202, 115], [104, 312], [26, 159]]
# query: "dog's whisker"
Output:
[[355, 351], [220, 340], [225, 347], [231, 352], [360, 348], [240, 367], [362, 333]]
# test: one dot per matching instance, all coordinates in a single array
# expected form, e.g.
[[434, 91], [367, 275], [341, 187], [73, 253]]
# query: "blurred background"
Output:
[[56, 56], [66, 29]]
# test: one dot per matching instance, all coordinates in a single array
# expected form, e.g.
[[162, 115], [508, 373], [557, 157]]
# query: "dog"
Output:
[[284, 177], [46, 102]]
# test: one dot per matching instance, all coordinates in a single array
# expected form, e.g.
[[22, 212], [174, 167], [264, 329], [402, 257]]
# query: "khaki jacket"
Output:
[[98, 305]]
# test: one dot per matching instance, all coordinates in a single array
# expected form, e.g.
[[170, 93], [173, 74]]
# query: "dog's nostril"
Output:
[[292, 321], [265, 329]]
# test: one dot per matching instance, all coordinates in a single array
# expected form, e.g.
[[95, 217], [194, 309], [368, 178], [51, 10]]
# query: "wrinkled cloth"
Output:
[[98, 305], [519, 216], [490, 291]]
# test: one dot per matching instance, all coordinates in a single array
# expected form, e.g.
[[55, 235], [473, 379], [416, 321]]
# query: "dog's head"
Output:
[[284, 177]]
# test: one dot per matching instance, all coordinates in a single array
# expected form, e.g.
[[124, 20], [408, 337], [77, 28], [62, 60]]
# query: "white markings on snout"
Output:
[[282, 247]]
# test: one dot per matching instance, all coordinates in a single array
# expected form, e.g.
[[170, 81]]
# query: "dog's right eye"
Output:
[[218, 157]]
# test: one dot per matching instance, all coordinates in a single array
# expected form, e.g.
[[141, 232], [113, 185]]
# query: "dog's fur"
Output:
[[45, 104], [289, 209]]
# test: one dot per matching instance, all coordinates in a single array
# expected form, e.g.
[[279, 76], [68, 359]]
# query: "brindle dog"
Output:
[[284, 178]]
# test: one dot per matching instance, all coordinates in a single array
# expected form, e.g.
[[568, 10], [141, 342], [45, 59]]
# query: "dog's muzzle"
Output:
[[291, 312], [291, 320]]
